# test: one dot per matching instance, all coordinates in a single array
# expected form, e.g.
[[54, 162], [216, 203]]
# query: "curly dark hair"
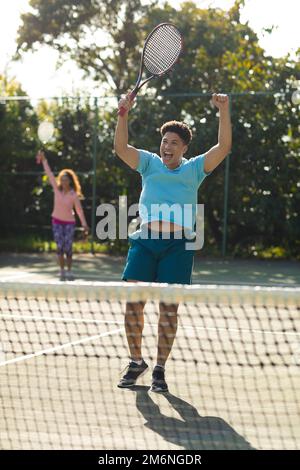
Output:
[[179, 128]]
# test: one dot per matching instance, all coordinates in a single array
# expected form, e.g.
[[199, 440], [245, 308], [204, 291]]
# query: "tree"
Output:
[[17, 143], [102, 37]]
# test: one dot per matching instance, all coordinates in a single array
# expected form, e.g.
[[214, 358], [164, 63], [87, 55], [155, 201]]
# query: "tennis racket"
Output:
[[161, 51], [45, 133]]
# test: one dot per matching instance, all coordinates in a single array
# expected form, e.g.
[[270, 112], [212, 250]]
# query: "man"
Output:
[[154, 257]]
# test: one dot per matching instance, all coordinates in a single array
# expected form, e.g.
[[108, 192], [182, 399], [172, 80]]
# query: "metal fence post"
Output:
[[226, 189], [94, 156]]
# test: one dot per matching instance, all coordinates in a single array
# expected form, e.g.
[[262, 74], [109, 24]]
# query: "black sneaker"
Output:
[[159, 384], [134, 372]]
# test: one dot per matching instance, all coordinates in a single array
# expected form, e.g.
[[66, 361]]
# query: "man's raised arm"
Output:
[[127, 153], [217, 153]]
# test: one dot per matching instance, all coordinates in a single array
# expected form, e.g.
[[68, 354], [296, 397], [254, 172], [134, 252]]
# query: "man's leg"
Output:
[[175, 267], [140, 266], [134, 325], [167, 328]]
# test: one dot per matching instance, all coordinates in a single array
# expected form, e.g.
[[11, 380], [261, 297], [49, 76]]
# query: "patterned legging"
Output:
[[63, 236]]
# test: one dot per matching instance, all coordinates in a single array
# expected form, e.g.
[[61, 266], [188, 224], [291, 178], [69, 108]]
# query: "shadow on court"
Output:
[[102, 267], [191, 431]]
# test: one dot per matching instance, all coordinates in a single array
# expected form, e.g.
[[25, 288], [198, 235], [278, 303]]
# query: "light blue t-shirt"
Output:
[[169, 195]]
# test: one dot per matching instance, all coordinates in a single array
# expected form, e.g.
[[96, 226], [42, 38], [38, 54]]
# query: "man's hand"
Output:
[[221, 101], [127, 153], [126, 102], [217, 153]]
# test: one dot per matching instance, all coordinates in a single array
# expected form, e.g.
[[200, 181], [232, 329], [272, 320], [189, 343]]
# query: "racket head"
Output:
[[162, 49], [45, 131]]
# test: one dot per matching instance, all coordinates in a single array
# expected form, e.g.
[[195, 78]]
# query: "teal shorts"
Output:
[[159, 260]]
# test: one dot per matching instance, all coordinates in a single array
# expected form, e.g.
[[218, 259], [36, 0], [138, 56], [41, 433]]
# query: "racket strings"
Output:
[[158, 60], [162, 50]]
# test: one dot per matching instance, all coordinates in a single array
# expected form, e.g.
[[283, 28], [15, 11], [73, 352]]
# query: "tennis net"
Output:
[[233, 373]]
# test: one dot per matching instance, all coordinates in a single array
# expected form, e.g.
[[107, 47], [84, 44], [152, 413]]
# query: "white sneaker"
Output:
[[69, 276]]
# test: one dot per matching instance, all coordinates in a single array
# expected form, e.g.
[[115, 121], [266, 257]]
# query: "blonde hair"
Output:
[[74, 182]]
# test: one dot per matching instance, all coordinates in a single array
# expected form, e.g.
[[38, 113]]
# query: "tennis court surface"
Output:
[[233, 373]]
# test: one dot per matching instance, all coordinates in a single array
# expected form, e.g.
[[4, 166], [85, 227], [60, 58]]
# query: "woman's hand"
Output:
[[86, 230], [40, 157]]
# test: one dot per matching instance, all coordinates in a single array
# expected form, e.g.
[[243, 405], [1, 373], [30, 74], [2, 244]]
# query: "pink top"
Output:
[[64, 202]]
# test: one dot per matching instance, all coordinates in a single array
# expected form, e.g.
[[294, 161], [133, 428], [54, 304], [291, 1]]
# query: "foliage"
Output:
[[100, 36]]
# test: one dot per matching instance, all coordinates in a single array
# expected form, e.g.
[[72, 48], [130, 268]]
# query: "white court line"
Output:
[[57, 348], [13, 277], [115, 322]]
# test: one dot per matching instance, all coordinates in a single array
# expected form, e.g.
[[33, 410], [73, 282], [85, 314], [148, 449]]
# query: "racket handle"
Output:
[[122, 110]]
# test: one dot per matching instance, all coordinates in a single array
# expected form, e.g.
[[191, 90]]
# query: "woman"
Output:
[[67, 195]]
